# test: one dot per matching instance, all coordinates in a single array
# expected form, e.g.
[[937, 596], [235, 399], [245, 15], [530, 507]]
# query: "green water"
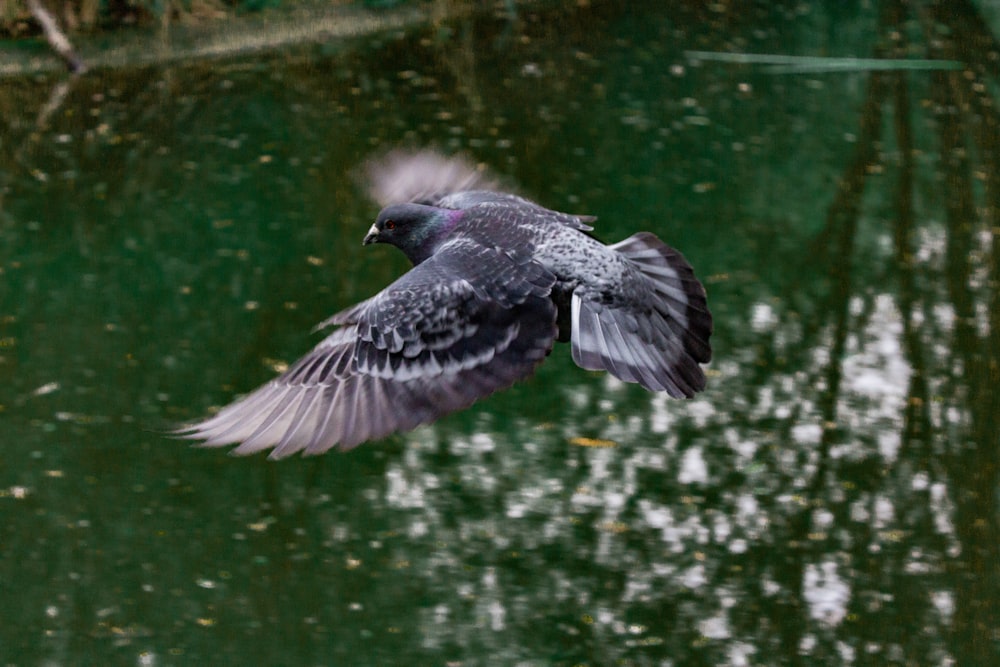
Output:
[[170, 234]]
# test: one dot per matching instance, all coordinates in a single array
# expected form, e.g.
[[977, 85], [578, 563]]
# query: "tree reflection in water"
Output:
[[842, 511]]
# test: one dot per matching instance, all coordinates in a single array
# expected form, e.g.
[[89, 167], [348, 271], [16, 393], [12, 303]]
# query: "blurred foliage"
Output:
[[89, 15]]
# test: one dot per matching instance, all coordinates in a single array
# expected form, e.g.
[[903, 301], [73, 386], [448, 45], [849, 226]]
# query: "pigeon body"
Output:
[[497, 279]]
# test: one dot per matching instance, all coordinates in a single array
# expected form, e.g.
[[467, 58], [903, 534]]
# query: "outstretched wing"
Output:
[[500, 206], [422, 176], [656, 338], [465, 323], [429, 177]]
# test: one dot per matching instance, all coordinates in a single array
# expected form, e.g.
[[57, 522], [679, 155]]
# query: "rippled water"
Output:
[[171, 234]]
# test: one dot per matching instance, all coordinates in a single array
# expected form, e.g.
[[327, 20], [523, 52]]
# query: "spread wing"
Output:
[[465, 323], [429, 177], [502, 205]]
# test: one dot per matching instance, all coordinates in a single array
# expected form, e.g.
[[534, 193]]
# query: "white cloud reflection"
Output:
[[637, 512]]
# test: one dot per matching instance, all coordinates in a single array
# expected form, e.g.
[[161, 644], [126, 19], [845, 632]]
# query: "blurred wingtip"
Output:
[[422, 175]]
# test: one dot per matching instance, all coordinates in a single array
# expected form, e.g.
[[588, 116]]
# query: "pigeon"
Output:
[[497, 279]]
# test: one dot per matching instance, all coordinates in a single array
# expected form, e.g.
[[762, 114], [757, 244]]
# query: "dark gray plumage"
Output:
[[496, 280]]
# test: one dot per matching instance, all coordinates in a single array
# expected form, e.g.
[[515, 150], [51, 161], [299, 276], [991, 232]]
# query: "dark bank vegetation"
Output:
[[19, 19]]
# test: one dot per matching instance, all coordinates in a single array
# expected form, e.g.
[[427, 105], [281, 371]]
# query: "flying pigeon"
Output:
[[496, 280]]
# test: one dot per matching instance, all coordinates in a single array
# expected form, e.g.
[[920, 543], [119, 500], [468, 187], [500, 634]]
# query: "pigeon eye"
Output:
[[390, 224]]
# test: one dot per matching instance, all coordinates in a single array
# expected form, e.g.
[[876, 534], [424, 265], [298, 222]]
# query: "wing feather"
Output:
[[465, 323]]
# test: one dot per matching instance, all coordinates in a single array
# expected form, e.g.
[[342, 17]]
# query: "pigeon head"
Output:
[[415, 229]]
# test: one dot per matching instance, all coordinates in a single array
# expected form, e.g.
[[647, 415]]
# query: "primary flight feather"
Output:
[[497, 279]]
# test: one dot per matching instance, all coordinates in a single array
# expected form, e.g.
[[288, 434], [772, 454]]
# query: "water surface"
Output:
[[172, 232]]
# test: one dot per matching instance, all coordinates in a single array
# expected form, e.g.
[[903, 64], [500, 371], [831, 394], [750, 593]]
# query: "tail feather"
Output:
[[673, 278], [660, 347]]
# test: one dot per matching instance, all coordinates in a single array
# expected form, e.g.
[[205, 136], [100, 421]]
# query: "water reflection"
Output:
[[830, 499]]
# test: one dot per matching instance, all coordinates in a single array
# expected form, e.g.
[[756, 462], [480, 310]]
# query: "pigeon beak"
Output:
[[371, 236]]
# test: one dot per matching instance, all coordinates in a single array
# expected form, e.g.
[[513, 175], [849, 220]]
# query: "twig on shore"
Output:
[[57, 39]]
